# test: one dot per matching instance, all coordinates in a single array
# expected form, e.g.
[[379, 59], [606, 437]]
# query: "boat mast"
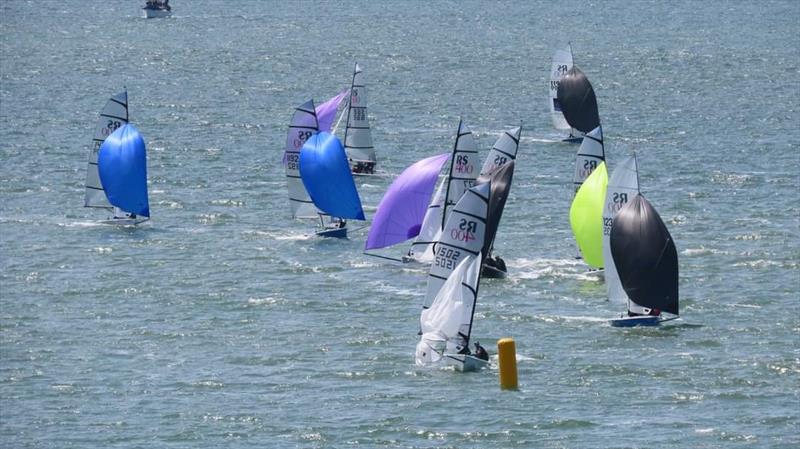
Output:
[[638, 190], [450, 175], [349, 103]]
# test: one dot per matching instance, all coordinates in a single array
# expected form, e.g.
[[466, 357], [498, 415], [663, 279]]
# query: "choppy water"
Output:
[[221, 324]]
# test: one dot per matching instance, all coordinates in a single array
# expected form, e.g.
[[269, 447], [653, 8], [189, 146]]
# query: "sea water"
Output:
[[224, 323]]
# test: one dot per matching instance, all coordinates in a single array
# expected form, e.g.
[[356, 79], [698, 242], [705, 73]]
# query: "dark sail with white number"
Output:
[[645, 256]]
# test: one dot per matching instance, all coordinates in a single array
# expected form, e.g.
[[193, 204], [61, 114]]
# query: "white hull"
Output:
[[465, 363], [155, 13]]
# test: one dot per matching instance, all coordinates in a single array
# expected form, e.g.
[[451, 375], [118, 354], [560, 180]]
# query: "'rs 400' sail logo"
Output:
[[618, 200], [465, 231]]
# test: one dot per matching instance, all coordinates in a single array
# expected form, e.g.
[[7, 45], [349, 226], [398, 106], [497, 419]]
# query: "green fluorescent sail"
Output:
[[586, 216]]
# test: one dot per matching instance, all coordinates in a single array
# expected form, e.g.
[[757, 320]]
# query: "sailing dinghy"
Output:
[[504, 150], [122, 169], [326, 176], [562, 62], [456, 266], [112, 117], [639, 253], [459, 179], [578, 101], [306, 121], [400, 213], [446, 325]]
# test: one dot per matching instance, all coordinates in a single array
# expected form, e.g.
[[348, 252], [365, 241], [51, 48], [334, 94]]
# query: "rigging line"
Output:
[[383, 257]]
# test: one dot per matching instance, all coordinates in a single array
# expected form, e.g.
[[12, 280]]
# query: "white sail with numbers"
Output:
[[623, 185], [504, 150], [462, 236], [357, 134], [303, 125], [562, 62], [113, 115]]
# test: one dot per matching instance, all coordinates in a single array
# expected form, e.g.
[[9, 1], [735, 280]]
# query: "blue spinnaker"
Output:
[[122, 166], [327, 178]]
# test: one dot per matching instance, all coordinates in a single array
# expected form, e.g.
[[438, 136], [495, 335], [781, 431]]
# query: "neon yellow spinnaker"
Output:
[[586, 216]]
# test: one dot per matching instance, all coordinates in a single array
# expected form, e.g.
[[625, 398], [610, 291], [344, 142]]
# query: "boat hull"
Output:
[[492, 272], [634, 321], [573, 139], [155, 13], [336, 233], [125, 221], [362, 168], [465, 363]]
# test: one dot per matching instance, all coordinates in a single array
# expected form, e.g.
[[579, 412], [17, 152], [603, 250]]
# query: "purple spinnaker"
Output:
[[326, 112], [400, 212]]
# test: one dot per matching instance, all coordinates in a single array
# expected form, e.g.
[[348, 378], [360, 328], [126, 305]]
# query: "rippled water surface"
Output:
[[221, 323]]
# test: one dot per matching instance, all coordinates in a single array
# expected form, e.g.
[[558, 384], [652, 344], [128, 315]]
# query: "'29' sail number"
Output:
[[447, 257]]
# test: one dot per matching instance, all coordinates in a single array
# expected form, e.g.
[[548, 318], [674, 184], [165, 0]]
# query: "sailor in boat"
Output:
[[648, 312], [480, 352], [120, 214], [496, 262], [364, 167]]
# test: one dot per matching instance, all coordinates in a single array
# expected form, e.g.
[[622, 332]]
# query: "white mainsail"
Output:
[[303, 125], [562, 62], [460, 177], [623, 185], [446, 324], [503, 151], [113, 115], [463, 236], [590, 154], [357, 134], [463, 169]]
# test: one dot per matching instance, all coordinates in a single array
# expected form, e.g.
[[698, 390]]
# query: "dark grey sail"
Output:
[[645, 256], [500, 180], [577, 100]]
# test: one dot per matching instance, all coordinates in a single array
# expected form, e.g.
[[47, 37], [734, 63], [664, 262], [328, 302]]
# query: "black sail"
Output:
[[645, 256], [577, 100], [500, 180]]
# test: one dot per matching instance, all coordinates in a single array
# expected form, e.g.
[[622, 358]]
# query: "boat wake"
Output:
[[526, 269]]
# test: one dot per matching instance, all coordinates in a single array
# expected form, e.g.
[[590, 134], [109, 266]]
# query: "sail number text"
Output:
[[465, 231], [447, 258], [110, 127], [463, 165], [292, 161], [301, 138]]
